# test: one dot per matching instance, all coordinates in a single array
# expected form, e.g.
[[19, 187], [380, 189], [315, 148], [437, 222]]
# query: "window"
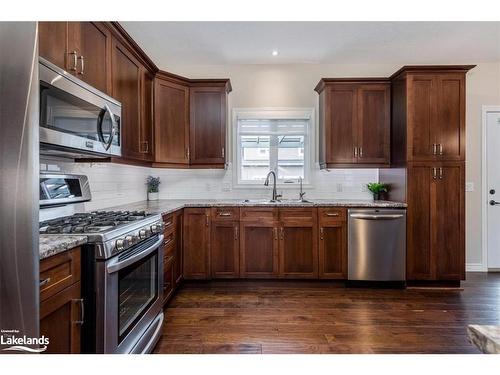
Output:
[[272, 140]]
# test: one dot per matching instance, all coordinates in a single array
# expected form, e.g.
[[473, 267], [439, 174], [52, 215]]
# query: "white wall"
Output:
[[292, 86]]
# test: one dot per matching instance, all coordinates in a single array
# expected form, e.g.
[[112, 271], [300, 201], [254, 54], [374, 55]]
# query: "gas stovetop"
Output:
[[92, 222], [111, 232]]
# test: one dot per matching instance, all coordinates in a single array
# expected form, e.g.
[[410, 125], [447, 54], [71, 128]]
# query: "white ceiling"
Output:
[[220, 43]]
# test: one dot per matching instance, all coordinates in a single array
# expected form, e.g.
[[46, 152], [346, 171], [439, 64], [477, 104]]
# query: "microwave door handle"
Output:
[[115, 265], [100, 120]]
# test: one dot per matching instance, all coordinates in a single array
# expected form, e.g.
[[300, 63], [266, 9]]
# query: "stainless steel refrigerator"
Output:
[[19, 168]]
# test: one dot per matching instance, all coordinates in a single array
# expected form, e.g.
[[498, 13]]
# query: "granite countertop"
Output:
[[53, 244], [165, 206], [486, 338]]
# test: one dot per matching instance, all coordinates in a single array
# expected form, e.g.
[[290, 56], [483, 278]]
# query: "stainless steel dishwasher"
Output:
[[377, 244]]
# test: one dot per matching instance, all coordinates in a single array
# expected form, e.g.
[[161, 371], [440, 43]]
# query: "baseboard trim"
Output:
[[475, 267]]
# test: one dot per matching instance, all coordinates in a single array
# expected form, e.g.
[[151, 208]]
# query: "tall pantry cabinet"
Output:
[[428, 149]]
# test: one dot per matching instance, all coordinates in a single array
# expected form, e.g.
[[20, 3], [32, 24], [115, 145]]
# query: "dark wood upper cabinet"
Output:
[[53, 42], [429, 111], [127, 75], [374, 123], [81, 48], [196, 238], [225, 249], [298, 243], [171, 122], [354, 122], [208, 125]]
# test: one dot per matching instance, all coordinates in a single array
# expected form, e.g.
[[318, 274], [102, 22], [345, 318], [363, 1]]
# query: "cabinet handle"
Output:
[[332, 214], [225, 214], [282, 233], [165, 243], [275, 230], [206, 220], [321, 231], [82, 65], [434, 173], [187, 153], [82, 311], [44, 281], [361, 152], [144, 147], [440, 173], [355, 152], [75, 60], [434, 149], [235, 232], [223, 152], [440, 149]]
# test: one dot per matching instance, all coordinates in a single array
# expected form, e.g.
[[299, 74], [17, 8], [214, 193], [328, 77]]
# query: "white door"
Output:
[[493, 187]]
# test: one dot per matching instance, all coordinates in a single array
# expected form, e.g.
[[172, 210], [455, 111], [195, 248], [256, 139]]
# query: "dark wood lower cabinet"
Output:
[[60, 320], [298, 243], [225, 249], [196, 248], [436, 221], [333, 250], [259, 249], [178, 248]]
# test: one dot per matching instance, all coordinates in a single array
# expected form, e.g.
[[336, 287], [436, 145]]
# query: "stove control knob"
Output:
[[135, 238], [142, 234], [129, 241], [120, 244], [155, 228]]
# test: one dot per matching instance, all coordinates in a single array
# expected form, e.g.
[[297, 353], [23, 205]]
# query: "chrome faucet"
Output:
[[276, 196], [301, 193]]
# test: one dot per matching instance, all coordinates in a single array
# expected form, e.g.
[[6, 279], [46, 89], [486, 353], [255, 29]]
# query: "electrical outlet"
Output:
[[469, 186]]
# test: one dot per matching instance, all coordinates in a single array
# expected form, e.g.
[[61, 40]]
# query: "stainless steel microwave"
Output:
[[76, 120]]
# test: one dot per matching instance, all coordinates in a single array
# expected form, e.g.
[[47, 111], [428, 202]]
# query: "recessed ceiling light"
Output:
[[275, 53]]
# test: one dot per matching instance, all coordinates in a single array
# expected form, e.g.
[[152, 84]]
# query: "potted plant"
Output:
[[153, 184], [377, 188]]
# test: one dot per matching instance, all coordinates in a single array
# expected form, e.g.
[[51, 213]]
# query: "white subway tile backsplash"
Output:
[[117, 184]]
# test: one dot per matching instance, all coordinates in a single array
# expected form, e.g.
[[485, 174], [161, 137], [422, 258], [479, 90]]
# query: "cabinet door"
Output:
[[422, 117], [53, 43], [92, 42], [421, 205], [298, 245], [259, 249], [225, 249], [168, 276], [207, 125], [146, 125], [448, 223], [127, 89], [374, 110], [171, 122], [196, 262], [61, 319], [450, 123], [178, 248], [341, 131], [333, 250]]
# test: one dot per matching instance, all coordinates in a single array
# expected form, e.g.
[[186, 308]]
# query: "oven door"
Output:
[[132, 302], [76, 116]]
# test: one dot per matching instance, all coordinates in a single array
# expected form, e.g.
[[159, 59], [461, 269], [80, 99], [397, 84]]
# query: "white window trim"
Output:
[[272, 113]]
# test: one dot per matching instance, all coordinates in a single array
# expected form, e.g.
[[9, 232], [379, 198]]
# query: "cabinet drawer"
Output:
[[169, 245], [332, 214], [59, 272], [168, 224], [259, 213], [297, 214], [225, 213]]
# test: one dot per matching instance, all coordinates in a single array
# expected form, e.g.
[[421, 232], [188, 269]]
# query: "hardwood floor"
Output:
[[325, 317]]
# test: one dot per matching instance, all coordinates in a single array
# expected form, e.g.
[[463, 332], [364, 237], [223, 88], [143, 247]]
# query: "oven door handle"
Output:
[[115, 265], [114, 125]]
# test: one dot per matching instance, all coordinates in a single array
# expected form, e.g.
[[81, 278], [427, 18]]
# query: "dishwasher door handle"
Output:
[[377, 217]]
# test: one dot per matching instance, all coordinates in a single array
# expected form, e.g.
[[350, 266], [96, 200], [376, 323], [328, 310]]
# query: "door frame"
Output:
[[483, 266]]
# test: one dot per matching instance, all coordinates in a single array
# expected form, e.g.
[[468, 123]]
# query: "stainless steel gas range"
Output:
[[122, 272]]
